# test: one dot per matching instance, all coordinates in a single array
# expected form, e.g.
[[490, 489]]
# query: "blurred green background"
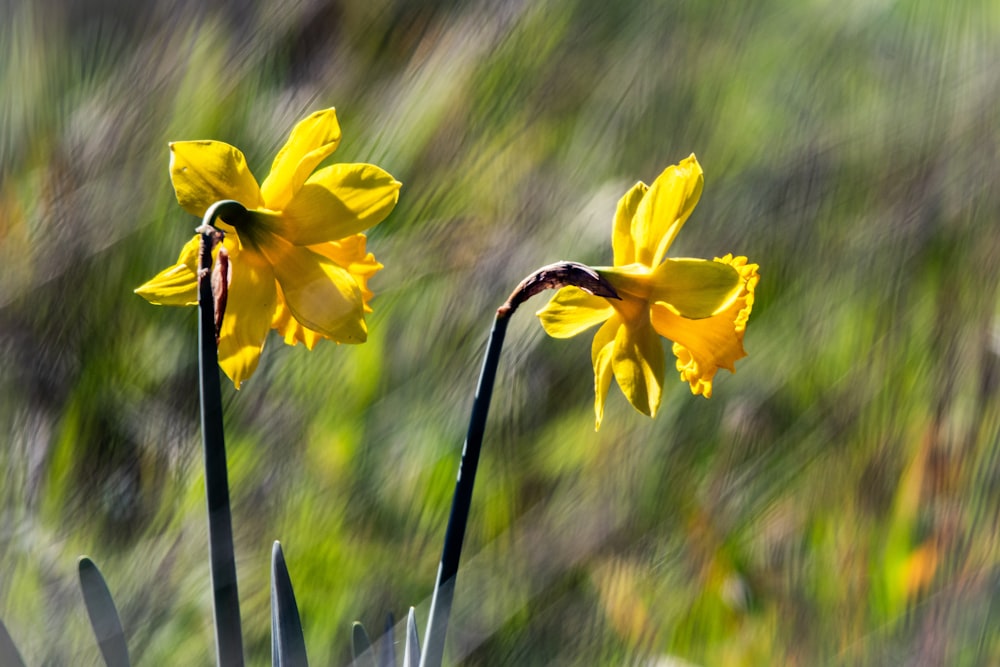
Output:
[[835, 503]]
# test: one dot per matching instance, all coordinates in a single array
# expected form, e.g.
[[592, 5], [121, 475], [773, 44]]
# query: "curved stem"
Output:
[[444, 587], [222, 560], [552, 276]]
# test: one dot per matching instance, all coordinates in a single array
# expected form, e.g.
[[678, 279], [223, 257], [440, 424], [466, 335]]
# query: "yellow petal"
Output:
[[249, 310], [703, 346], [291, 329], [350, 253], [319, 294], [177, 285], [621, 238], [204, 172], [637, 362], [310, 142], [338, 201], [695, 288], [571, 310], [601, 351], [665, 208]]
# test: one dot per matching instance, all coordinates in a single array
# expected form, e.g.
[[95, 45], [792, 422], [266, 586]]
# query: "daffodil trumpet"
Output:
[[222, 558], [553, 276]]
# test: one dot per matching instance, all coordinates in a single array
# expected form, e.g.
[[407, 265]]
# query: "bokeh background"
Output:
[[836, 501]]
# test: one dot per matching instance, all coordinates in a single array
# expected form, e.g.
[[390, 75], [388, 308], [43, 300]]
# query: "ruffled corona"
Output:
[[699, 370]]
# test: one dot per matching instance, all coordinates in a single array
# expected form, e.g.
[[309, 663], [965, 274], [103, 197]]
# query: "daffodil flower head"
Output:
[[700, 305], [298, 261]]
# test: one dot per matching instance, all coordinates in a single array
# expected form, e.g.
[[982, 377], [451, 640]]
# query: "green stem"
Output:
[[444, 587], [222, 560], [552, 276]]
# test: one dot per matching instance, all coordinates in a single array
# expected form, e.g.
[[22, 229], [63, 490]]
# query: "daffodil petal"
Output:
[[637, 362], [347, 253], [571, 311], [249, 310], [350, 253], [601, 352], [665, 208], [291, 329], [311, 141], [320, 295], [621, 237], [204, 172], [177, 285], [338, 201], [695, 288]]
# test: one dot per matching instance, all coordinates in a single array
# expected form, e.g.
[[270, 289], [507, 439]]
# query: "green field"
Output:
[[834, 503]]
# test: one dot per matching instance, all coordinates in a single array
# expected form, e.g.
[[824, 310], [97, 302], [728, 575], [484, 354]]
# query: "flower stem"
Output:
[[547, 277], [444, 587], [222, 560]]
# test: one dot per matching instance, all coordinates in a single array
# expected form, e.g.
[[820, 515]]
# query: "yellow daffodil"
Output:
[[700, 305], [298, 261]]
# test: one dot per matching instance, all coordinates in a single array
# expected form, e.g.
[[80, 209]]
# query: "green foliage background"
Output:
[[834, 503]]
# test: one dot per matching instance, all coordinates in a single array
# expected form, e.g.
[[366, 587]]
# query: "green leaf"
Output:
[[387, 644], [8, 651], [288, 646], [103, 615], [411, 654], [361, 647]]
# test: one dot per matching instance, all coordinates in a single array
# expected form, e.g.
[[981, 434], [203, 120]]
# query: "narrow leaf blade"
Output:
[[8, 651], [411, 654], [288, 645], [387, 645], [103, 615], [361, 647]]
